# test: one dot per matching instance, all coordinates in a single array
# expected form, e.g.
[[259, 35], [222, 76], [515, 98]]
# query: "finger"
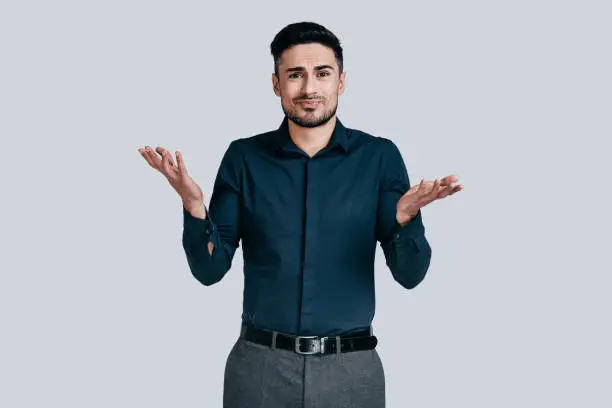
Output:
[[421, 184], [435, 189], [445, 192], [457, 188], [154, 159], [450, 179], [160, 151], [166, 164], [180, 163], [422, 187], [424, 195], [452, 189], [171, 159], [419, 190], [167, 161], [143, 153], [173, 167]]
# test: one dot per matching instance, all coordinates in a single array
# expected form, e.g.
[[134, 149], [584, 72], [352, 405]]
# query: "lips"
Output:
[[309, 102]]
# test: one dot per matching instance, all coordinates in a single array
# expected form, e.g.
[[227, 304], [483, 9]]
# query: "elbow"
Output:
[[208, 274], [206, 279], [205, 270], [410, 274], [412, 280]]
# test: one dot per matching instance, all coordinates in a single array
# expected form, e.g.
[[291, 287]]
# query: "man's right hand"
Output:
[[176, 174]]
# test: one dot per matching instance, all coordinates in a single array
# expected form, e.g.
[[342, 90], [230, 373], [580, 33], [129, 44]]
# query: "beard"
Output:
[[310, 121]]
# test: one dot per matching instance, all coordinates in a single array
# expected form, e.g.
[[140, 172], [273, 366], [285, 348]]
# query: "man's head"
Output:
[[308, 72]]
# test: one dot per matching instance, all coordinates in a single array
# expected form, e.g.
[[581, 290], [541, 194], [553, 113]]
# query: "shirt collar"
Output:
[[283, 140]]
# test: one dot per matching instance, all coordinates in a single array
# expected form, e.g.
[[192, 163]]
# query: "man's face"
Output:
[[309, 83]]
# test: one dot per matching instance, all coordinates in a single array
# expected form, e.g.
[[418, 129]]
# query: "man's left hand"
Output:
[[424, 193]]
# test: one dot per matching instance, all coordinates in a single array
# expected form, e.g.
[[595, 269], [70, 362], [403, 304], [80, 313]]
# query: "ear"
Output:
[[275, 85], [342, 83]]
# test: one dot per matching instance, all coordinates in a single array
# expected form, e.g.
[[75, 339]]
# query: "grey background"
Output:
[[98, 307]]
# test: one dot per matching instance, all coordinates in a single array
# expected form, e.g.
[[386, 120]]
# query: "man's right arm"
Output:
[[220, 227]]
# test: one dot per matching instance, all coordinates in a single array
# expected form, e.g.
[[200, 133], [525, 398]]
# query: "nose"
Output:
[[309, 85]]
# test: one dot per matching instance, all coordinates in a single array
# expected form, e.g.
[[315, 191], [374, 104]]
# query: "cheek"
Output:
[[286, 100], [332, 92], [287, 95], [331, 98]]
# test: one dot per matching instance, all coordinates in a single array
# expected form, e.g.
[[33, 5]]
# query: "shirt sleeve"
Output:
[[221, 226], [406, 249]]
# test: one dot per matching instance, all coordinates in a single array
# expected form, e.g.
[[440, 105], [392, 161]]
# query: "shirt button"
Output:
[[397, 236]]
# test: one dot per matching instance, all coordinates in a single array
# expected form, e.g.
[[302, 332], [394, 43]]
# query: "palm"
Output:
[[176, 174], [424, 193]]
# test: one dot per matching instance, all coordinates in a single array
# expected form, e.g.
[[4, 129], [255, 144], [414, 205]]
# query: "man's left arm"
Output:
[[406, 249]]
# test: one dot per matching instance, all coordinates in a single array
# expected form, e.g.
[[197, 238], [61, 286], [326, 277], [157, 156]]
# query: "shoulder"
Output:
[[238, 148], [253, 144], [373, 144], [383, 153], [256, 139]]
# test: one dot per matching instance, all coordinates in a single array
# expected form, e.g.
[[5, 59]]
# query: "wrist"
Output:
[[196, 208], [403, 219]]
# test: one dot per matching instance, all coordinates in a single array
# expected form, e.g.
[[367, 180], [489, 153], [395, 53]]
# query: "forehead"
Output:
[[308, 55]]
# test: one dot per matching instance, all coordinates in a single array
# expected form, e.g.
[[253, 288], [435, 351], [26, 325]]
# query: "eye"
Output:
[[324, 73], [294, 75]]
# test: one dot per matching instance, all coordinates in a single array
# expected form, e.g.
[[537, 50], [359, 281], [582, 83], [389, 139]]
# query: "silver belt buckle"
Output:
[[317, 346]]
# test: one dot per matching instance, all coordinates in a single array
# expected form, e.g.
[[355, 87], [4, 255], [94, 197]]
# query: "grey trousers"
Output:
[[259, 376]]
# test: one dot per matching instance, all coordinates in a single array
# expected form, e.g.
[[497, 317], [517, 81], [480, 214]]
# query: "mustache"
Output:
[[302, 99]]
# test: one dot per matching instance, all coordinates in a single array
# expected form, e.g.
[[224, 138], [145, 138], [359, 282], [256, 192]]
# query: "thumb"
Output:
[[421, 184]]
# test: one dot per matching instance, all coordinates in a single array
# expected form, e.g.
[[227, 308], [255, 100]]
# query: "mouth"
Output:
[[309, 103]]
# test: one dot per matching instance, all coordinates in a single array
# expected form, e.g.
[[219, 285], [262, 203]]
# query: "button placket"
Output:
[[310, 235]]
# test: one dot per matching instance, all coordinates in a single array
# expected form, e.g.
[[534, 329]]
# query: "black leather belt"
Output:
[[361, 340]]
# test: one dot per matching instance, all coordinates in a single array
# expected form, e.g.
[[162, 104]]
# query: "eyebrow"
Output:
[[317, 68]]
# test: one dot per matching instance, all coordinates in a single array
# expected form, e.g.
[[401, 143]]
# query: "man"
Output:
[[309, 201]]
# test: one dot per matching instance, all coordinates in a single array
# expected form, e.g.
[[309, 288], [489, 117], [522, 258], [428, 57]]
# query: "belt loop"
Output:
[[371, 330], [273, 345], [242, 329], [338, 343]]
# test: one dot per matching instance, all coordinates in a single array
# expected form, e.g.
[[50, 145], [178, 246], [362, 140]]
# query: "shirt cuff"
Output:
[[197, 226], [412, 230]]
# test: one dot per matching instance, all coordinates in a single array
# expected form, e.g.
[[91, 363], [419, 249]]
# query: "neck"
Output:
[[311, 140]]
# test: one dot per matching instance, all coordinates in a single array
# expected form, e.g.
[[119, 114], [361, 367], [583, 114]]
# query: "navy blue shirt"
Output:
[[309, 227]]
